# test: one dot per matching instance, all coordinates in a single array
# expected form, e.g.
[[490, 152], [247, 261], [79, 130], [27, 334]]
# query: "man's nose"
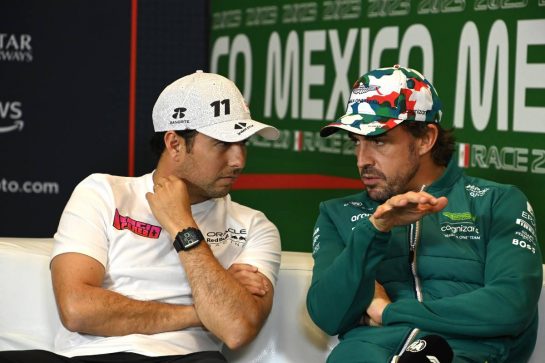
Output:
[[363, 156], [237, 155]]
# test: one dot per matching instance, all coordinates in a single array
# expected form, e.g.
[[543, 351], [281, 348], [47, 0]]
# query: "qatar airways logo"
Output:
[[15, 48], [137, 227]]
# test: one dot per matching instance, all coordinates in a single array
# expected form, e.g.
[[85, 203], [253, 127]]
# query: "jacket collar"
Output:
[[452, 173]]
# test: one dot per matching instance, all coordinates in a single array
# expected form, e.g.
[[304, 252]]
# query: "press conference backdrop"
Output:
[[65, 92], [70, 79], [295, 62]]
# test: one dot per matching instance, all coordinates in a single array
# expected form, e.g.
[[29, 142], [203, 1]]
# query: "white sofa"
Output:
[[29, 320]]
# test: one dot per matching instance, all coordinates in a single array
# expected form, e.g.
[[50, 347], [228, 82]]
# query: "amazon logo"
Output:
[[12, 112]]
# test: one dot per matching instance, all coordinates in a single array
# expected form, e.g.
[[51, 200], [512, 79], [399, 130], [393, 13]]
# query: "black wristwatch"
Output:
[[187, 239]]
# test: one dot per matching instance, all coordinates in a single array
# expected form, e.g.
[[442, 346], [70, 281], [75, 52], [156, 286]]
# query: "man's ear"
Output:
[[428, 140], [174, 144]]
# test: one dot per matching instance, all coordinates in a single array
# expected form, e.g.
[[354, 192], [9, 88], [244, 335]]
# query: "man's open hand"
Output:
[[405, 209]]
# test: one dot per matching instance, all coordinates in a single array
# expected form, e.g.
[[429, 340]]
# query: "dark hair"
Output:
[[443, 149], [157, 141]]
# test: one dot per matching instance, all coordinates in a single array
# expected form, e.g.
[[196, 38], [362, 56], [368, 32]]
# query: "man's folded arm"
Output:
[[85, 307]]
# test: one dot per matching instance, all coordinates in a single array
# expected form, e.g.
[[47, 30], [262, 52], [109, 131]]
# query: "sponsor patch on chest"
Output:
[[140, 228], [233, 236], [460, 225]]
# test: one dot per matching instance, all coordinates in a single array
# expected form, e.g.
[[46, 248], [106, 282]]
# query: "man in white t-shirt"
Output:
[[165, 267]]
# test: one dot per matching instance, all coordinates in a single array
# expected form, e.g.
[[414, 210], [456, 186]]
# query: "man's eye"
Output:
[[222, 144], [226, 144]]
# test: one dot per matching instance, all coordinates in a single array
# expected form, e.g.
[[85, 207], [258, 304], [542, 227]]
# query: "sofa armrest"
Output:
[[28, 314]]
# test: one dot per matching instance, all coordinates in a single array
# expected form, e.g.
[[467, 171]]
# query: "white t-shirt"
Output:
[[108, 218]]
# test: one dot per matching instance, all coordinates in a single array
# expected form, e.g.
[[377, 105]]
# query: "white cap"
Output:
[[210, 104]]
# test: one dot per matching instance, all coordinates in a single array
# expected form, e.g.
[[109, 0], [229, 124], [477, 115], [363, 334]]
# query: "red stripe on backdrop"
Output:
[[466, 155], [132, 86], [295, 181]]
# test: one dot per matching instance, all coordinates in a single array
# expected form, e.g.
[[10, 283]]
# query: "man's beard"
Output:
[[397, 184]]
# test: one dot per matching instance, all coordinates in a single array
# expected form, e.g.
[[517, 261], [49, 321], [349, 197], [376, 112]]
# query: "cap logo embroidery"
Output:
[[217, 108], [363, 89], [179, 112], [243, 127]]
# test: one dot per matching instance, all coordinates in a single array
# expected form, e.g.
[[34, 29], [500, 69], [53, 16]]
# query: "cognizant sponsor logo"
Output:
[[462, 230], [28, 187]]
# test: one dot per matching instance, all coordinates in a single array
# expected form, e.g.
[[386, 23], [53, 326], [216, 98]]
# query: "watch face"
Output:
[[188, 238]]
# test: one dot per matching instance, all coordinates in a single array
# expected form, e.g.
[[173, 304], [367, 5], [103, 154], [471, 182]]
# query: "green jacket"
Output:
[[477, 280]]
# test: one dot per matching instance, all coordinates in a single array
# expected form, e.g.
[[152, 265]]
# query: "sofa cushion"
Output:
[[29, 318]]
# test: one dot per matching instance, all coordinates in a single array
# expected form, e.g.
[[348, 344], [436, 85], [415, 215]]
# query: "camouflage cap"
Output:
[[383, 98]]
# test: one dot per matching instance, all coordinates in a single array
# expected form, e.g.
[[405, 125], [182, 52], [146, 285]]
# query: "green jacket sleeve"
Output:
[[507, 302], [344, 272]]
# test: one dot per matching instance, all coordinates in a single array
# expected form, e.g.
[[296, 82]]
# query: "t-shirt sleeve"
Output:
[[83, 224], [263, 247]]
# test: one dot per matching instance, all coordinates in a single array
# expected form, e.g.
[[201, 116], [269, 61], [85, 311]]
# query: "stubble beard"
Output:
[[213, 190], [398, 183], [201, 189], [210, 190]]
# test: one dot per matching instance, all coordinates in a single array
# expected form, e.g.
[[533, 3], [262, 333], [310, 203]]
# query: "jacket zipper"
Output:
[[414, 239]]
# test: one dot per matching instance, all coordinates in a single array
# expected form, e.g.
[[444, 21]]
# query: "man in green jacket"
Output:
[[424, 249]]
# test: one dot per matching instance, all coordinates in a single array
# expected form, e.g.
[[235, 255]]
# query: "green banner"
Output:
[[295, 62]]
